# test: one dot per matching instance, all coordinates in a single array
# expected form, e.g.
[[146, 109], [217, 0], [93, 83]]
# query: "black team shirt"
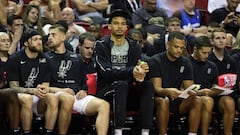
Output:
[[66, 71], [29, 72], [172, 73], [204, 73]]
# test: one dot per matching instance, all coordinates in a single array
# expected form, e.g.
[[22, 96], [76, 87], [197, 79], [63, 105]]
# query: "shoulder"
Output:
[[156, 59], [185, 60], [132, 43], [139, 11], [210, 63], [103, 40], [103, 44], [219, 10], [161, 11], [79, 28], [17, 55], [72, 55]]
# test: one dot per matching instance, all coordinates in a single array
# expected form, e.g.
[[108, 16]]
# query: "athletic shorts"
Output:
[[175, 105], [81, 105]]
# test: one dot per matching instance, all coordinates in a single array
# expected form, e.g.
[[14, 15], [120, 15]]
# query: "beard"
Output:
[[35, 49]]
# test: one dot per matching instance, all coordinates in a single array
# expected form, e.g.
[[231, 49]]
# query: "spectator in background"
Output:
[[193, 22], [215, 4], [170, 6], [129, 6], [72, 39], [91, 8], [132, 6], [96, 30], [7, 8], [137, 35], [211, 27], [68, 15], [236, 45], [172, 24], [31, 19], [156, 32], [49, 10], [152, 19], [15, 29], [147, 46], [141, 16], [228, 17]]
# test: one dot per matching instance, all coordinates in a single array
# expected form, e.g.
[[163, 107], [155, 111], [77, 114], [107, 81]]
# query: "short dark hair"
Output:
[[202, 41], [120, 13], [144, 32], [134, 31], [214, 24], [86, 35], [11, 18], [63, 23], [176, 34], [59, 27]]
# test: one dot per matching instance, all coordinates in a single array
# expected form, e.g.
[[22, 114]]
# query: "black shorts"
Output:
[[235, 97], [217, 98], [175, 105], [216, 101]]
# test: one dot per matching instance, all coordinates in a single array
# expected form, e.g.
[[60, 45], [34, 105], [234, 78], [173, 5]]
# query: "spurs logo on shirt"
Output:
[[209, 71], [181, 69], [228, 66], [32, 77], [64, 67], [119, 61]]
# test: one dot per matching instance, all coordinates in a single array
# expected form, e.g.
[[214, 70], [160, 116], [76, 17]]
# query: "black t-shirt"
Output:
[[67, 71], [3, 75], [28, 72], [204, 73], [171, 73], [89, 67], [227, 65]]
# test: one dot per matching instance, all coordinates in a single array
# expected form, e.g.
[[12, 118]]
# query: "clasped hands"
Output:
[[140, 70]]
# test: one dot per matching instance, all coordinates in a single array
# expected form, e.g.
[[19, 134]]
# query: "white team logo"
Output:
[[181, 69], [73, 55], [64, 67], [228, 66], [42, 60], [209, 70], [32, 77]]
